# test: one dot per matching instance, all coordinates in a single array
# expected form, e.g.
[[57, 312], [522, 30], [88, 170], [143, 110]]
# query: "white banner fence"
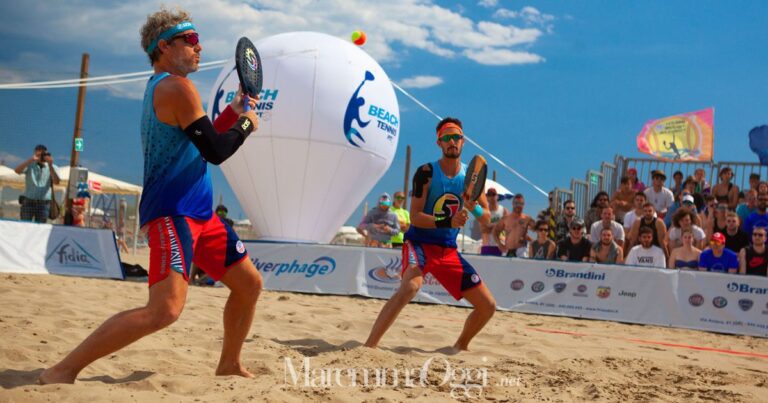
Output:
[[696, 300], [33, 248]]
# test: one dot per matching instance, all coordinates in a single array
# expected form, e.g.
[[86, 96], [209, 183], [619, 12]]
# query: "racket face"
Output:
[[248, 66], [474, 180]]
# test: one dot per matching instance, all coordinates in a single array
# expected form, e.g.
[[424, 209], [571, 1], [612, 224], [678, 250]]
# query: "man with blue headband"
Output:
[[176, 210]]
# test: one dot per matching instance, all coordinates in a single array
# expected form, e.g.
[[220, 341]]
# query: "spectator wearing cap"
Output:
[[646, 253], [635, 183], [380, 224], [735, 238], [565, 219], [683, 201], [717, 258], [726, 192], [749, 206], [661, 197], [39, 171], [623, 199], [489, 245], [403, 218], [574, 248]]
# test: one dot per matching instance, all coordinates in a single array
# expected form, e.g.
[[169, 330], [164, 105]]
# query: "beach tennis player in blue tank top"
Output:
[[437, 215], [176, 208]]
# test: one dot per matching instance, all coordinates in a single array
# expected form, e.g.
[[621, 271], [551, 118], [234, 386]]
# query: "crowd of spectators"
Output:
[[689, 225]]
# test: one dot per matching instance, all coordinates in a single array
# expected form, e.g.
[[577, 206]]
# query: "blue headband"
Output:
[[167, 34]]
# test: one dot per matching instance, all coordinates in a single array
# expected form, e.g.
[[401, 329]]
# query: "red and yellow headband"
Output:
[[449, 128]]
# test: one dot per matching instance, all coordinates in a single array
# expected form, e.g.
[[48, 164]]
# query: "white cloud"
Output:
[[529, 15], [10, 160], [421, 82], [500, 57], [488, 3], [394, 28]]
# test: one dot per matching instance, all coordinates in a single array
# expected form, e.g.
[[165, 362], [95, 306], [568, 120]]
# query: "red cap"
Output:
[[718, 237]]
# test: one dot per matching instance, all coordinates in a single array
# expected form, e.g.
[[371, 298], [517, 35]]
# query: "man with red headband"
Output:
[[176, 207], [438, 211]]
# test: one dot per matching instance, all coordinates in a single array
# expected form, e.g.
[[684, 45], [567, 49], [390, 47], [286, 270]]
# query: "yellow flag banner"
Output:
[[685, 137]]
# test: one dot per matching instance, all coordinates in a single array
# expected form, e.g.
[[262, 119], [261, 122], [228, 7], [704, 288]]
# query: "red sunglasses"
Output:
[[192, 38]]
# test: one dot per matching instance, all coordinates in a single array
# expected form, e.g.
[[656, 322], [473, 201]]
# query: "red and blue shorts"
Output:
[[176, 242], [446, 265]]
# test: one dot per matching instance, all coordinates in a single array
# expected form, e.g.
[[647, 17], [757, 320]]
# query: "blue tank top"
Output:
[[682, 264], [176, 179], [443, 201]]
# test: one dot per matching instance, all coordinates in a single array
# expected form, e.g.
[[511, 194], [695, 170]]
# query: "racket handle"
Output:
[[246, 103]]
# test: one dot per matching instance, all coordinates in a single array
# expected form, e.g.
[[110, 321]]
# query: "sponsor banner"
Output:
[[306, 268], [54, 249], [706, 301], [382, 270], [724, 303], [580, 290]]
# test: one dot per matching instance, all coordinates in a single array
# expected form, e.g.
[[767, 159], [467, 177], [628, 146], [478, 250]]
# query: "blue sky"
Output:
[[553, 88]]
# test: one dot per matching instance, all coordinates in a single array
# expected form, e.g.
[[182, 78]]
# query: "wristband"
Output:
[[477, 211], [444, 223]]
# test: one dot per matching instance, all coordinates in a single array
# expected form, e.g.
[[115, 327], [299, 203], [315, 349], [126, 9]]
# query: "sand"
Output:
[[517, 357]]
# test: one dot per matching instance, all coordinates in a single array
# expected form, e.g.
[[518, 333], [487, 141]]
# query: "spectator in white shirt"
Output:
[[661, 197], [646, 254], [607, 221]]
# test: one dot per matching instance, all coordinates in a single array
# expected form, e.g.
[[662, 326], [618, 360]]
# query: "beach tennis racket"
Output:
[[248, 66], [474, 179]]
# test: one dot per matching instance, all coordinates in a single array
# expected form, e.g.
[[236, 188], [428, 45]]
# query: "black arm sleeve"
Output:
[[421, 178], [215, 147]]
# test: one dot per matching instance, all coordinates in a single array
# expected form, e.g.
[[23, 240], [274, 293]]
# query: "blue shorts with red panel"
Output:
[[176, 242], [446, 265]]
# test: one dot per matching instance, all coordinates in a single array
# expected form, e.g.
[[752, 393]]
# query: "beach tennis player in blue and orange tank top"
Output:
[[176, 210], [438, 211]]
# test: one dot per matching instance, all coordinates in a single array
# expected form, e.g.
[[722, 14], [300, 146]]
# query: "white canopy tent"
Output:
[[98, 184]]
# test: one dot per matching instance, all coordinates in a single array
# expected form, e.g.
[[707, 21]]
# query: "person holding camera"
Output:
[[39, 172]]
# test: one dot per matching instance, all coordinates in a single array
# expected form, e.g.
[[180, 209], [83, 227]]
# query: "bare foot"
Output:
[[54, 375], [235, 369], [453, 350]]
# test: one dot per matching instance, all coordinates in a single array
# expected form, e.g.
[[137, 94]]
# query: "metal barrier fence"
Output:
[[644, 166], [582, 192]]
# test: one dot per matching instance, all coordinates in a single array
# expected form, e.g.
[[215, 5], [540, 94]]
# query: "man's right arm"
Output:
[[23, 166], [421, 181], [177, 103]]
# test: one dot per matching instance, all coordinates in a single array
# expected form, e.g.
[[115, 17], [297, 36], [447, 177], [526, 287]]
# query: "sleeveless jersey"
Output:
[[443, 201], [176, 179], [757, 263]]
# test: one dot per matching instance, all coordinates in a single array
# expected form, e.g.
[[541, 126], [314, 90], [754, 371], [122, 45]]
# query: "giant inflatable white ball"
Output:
[[328, 130]]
